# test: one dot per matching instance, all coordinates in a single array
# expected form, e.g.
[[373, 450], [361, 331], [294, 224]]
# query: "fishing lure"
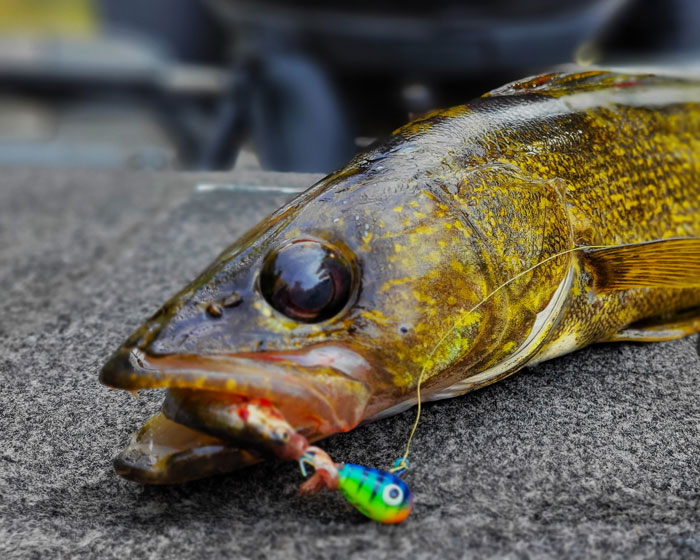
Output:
[[377, 494]]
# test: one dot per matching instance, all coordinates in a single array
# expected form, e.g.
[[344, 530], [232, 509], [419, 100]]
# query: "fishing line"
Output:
[[401, 463], [383, 496]]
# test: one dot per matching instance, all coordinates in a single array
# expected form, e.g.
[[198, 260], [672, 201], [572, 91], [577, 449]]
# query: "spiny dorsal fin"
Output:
[[666, 263], [557, 84]]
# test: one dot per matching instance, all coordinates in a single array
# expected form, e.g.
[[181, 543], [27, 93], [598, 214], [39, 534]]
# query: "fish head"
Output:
[[332, 308]]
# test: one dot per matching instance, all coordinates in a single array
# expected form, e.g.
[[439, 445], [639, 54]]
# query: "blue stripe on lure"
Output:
[[379, 495]]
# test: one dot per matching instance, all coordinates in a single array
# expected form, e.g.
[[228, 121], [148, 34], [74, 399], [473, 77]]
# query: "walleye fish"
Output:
[[549, 214]]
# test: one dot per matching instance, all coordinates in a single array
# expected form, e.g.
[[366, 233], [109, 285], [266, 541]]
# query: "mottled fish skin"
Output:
[[624, 152], [630, 164], [440, 215]]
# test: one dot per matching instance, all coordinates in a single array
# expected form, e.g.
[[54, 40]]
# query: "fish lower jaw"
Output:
[[165, 452]]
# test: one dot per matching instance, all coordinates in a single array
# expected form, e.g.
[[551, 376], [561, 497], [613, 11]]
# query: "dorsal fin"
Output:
[[665, 263], [557, 84]]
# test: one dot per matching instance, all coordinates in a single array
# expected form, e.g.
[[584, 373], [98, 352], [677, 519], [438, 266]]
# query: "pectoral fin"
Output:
[[660, 329], [666, 263]]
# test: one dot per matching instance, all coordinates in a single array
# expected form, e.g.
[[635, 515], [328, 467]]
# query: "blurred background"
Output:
[[286, 85]]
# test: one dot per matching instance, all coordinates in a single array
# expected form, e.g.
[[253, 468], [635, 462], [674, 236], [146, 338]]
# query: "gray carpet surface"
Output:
[[591, 455]]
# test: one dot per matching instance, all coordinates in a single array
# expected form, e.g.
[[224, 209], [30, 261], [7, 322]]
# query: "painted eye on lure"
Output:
[[379, 495], [392, 495], [307, 281]]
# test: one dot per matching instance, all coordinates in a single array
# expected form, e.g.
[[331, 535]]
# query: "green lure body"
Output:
[[379, 495]]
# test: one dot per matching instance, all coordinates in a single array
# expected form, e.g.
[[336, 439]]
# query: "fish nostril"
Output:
[[214, 310], [232, 301]]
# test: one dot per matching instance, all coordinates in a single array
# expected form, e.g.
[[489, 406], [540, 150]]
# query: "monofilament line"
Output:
[[403, 463]]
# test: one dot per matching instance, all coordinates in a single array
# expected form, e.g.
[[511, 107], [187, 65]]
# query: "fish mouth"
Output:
[[318, 391]]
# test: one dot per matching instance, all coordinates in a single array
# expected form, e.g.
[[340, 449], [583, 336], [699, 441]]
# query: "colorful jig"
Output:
[[379, 495]]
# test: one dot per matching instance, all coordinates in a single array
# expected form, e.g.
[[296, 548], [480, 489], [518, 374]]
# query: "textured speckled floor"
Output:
[[594, 454]]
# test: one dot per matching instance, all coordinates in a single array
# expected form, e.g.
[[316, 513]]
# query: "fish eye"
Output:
[[306, 280], [392, 495]]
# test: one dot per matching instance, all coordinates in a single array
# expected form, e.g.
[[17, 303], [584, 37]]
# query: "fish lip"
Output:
[[332, 399]]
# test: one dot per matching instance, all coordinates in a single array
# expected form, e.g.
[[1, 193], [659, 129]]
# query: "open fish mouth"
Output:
[[226, 411]]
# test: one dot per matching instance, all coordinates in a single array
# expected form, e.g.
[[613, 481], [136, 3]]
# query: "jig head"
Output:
[[379, 495]]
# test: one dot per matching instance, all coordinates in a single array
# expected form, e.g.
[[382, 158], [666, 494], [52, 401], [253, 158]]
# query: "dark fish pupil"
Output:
[[394, 493], [314, 297], [306, 281]]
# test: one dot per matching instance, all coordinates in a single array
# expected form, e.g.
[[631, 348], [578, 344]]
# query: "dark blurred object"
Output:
[[381, 61], [653, 28], [389, 59], [183, 27], [185, 83]]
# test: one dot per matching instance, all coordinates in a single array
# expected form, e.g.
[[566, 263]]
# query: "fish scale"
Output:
[[646, 160], [656, 188]]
